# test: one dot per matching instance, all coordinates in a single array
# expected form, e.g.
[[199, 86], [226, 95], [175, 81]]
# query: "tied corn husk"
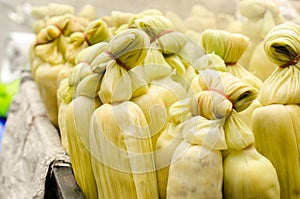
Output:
[[241, 94], [95, 32], [85, 86], [174, 46], [198, 157], [125, 51], [157, 69], [248, 174], [230, 47], [282, 46], [237, 134], [276, 123], [51, 41], [123, 161], [49, 50]]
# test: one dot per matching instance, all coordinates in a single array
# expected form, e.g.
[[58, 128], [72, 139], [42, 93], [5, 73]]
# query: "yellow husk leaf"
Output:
[[248, 174], [77, 117], [276, 130], [121, 147], [155, 113]]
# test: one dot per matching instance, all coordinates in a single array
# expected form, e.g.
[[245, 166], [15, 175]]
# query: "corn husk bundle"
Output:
[[230, 47], [276, 123], [237, 134], [120, 139], [260, 16], [48, 58], [242, 186], [164, 55], [198, 157]]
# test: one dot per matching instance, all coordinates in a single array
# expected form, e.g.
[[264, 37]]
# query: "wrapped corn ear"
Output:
[[276, 123], [68, 86], [161, 31], [122, 157], [50, 47], [248, 174], [65, 95], [198, 158], [82, 87], [77, 117], [95, 32], [230, 47], [282, 48], [241, 94], [51, 41], [125, 51]]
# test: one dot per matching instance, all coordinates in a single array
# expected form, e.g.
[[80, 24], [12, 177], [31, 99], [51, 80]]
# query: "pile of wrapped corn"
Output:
[[150, 105]]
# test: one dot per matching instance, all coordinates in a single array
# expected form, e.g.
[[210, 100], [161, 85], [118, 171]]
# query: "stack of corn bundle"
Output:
[[260, 16], [276, 124]]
